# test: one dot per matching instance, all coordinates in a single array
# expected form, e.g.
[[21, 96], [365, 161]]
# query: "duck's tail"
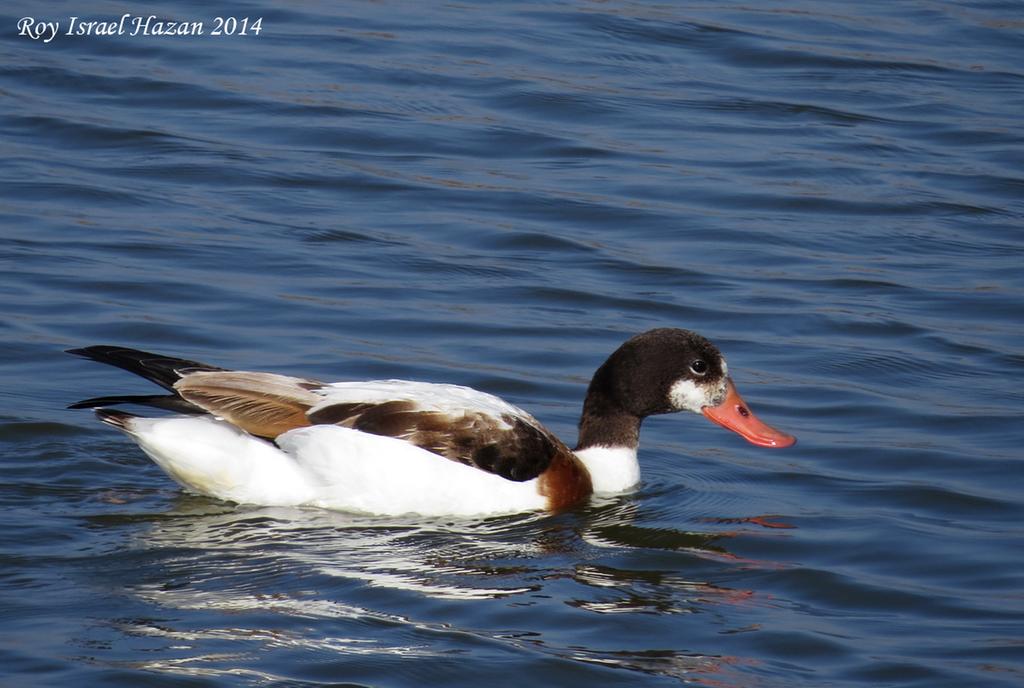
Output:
[[117, 419]]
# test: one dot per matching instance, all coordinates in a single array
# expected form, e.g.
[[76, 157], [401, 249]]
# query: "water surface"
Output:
[[498, 194]]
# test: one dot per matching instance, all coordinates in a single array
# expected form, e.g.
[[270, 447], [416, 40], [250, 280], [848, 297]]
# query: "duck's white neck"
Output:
[[612, 469]]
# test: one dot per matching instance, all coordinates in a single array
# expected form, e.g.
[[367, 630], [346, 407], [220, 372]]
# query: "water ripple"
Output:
[[498, 195]]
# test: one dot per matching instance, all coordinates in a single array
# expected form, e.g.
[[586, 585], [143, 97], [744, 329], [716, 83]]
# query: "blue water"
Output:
[[498, 194]]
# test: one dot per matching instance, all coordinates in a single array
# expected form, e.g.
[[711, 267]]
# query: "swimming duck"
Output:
[[395, 446]]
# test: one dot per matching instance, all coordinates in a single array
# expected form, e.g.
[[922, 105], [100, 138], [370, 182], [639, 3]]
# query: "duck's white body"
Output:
[[395, 447], [341, 468], [325, 466]]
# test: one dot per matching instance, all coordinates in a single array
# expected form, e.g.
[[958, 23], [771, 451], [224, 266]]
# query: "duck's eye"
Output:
[[699, 367]]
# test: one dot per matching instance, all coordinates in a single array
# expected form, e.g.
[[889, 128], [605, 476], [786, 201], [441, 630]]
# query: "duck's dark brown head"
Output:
[[664, 371]]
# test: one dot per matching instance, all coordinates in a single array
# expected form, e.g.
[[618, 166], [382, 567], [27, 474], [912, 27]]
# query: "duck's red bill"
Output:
[[733, 414]]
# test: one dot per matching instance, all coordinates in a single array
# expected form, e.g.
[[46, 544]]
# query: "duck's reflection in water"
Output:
[[286, 564]]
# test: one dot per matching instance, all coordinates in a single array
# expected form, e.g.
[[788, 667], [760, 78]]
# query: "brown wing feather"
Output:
[[262, 404], [267, 405], [508, 446]]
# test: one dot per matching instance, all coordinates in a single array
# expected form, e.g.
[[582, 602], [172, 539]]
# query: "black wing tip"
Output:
[[167, 402], [157, 368], [97, 402], [96, 350]]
